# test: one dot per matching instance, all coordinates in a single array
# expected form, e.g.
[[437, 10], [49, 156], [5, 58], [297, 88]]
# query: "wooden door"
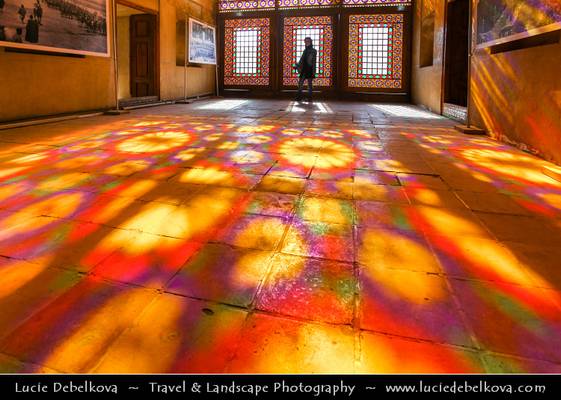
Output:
[[456, 61], [143, 55]]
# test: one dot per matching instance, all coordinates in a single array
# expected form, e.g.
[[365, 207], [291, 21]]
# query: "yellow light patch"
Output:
[[11, 171], [326, 210], [61, 205], [127, 168], [155, 142], [138, 188], [189, 154], [77, 162], [388, 249], [30, 158], [206, 176], [61, 182], [249, 268]]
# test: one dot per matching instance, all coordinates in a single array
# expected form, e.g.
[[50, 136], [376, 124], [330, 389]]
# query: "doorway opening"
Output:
[[137, 55], [455, 96]]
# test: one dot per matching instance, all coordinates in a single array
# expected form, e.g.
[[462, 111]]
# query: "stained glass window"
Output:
[[376, 51], [363, 3], [236, 5], [320, 30], [307, 3], [246, 51]]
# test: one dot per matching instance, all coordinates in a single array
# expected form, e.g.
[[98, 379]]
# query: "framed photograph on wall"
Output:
[[202, 43], [61, 26], [502, 21]]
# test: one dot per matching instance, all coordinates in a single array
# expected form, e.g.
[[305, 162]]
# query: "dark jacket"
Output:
[[307, 63], [32, 31]]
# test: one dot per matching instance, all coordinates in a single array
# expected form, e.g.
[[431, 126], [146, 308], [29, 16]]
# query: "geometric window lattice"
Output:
[[246, 55], [236, 5], [246, 51], [376, 51], [320, 30], [366, 3], [307, 3]]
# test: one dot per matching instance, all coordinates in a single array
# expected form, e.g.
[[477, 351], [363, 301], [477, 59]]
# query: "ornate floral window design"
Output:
[[307, 3], [366, 3], [237, 5], [376, 51], [246, 51], [320, 29]]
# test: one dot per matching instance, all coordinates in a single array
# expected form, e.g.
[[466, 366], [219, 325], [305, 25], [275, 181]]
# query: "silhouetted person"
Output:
[[307, 69], [32, 30], [38, 12], [18, 38], [22, 13]]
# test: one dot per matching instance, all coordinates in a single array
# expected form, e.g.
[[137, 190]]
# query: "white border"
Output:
[[108, 21], [191, 20], [523, 35]]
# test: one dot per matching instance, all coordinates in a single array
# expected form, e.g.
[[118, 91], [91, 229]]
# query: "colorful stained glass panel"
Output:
[[376, 51], [236, 5], [363, 3], [320, 29], [307, 3], [246, 52]]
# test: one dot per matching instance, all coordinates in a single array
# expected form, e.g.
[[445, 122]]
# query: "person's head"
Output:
[[308, 41]]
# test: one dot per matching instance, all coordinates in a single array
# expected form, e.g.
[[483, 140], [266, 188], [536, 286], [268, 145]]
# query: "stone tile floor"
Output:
[[264, 236]]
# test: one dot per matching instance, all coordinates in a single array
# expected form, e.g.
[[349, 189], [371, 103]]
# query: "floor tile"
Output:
[[176, 335], [317, 209], [395, 249], [254, 232], [319, 290], [320, 239], [276, 345], [511, 319], [222, 273], [422, 309], [392, 355], [75, 330]]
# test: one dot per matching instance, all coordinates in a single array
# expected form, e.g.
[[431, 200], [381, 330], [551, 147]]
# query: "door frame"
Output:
[[445, 49], [335, 68], [383, 94], [340, 52], [265, 91], [145, 10]]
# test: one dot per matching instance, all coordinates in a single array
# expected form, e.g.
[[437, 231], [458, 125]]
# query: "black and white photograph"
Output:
[[202, 43], [501, 21], [75, 27]]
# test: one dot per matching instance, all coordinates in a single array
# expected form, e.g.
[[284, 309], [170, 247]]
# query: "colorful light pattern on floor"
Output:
[[259, 240]]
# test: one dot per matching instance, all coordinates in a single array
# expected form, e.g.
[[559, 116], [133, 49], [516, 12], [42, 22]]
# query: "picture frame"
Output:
[[201, 43], [79, 27], [500, 21]]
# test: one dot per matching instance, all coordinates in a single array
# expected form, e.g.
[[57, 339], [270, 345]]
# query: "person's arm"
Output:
[[300, 63], [312, 60]]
